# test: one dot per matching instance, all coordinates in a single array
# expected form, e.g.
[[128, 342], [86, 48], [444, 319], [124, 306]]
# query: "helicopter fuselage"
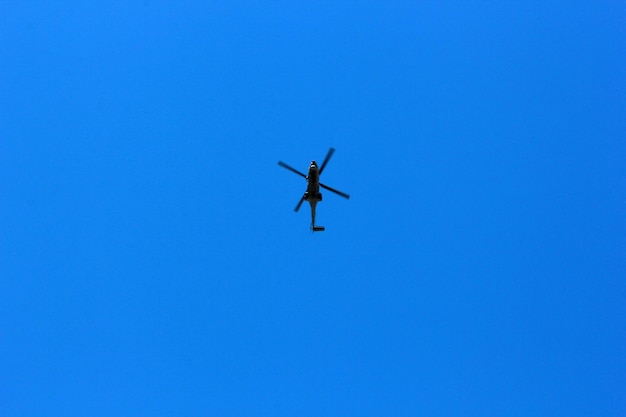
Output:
[[312, 194], [313, 182]]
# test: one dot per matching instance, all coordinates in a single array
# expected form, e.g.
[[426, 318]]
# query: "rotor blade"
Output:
[[299, 204], [330, 153], [344, 195], [284, 165]]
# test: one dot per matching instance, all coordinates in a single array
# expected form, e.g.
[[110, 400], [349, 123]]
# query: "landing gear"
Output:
[[313, 196]]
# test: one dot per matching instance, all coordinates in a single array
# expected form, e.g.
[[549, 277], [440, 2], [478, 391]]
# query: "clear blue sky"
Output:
[[151, 263]]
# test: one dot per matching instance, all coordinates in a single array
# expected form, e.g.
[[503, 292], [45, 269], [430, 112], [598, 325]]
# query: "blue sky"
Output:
[[151, 262]]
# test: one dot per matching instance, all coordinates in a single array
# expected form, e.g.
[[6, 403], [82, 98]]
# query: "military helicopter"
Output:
[[312, 193]]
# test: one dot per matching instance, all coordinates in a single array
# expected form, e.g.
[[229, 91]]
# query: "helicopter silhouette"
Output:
[[312, 193]]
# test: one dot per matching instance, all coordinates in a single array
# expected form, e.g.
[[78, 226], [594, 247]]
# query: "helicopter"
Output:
[[312, 193]]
